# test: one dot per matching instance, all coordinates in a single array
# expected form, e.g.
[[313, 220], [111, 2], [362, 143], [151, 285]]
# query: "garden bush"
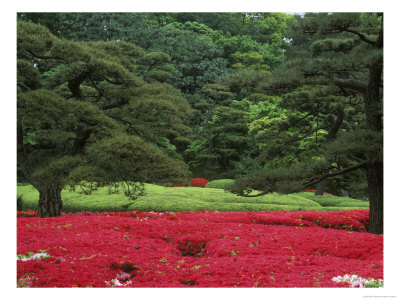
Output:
[[219, 183]]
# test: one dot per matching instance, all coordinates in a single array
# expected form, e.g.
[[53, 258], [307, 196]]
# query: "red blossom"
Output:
[[199, 182]]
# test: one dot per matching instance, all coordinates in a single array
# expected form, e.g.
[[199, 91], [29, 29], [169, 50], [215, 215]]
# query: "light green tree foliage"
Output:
[[249, 60], [245, 32], [90, 121]]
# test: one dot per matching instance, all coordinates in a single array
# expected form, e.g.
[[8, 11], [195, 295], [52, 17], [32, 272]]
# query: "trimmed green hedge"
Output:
[[219, 183]]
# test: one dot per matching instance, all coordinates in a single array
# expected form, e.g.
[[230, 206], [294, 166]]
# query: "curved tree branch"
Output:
[[362, 37], [314, 180], [42, 56], [113, 105], [258, 195], [353, 84]]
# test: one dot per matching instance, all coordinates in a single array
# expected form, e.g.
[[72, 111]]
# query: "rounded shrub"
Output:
[[199, 182], [219, 183]]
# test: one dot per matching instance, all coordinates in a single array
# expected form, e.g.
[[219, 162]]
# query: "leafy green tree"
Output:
[[228, 23], [196, 59], [88, 122]]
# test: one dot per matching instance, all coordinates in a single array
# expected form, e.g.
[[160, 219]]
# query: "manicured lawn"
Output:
[[162, 199]]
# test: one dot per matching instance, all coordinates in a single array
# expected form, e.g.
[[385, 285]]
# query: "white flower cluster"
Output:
[[116, 282], [34, 256], [356, 281]]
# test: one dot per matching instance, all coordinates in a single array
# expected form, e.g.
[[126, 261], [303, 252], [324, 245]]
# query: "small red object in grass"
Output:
[[199, 182], [313, 191]]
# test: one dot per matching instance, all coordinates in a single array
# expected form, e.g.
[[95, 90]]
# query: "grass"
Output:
[[219, 183], [161, 199]]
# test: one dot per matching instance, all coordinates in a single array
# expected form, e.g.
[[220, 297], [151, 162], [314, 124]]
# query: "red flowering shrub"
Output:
[[197, 249], [28, 213], [354, 220], [199, 182]]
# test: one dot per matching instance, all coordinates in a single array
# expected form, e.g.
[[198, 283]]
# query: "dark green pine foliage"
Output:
[[222, 134], [156, 66], [345, 52], [201, 46], [88, 121], [317, 115]]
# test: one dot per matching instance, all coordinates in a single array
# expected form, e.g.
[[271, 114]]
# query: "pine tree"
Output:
[[346, 52], [88, 121]]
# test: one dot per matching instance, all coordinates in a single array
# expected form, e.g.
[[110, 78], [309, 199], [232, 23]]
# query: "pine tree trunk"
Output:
[[375, 193], [320, 188], [373, 109], [209, 153], [50, 203]]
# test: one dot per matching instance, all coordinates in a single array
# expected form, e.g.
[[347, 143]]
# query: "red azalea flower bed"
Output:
[[199, 182], [198, 249]]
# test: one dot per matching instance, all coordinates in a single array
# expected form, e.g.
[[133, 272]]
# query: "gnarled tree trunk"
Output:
[[321, 188], [50, 203], [373, 109], [375, 194]]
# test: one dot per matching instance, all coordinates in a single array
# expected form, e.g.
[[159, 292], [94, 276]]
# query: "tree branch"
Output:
[[112, 82], [349, 83], [258, 195], [299, 138], [82, 135], [353, 84], [42, 56], [314, 180], [74, 85], [113, 105], [362, 37], [23, 86]]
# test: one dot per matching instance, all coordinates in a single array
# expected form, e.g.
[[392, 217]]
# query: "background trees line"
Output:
[[287, 99]]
